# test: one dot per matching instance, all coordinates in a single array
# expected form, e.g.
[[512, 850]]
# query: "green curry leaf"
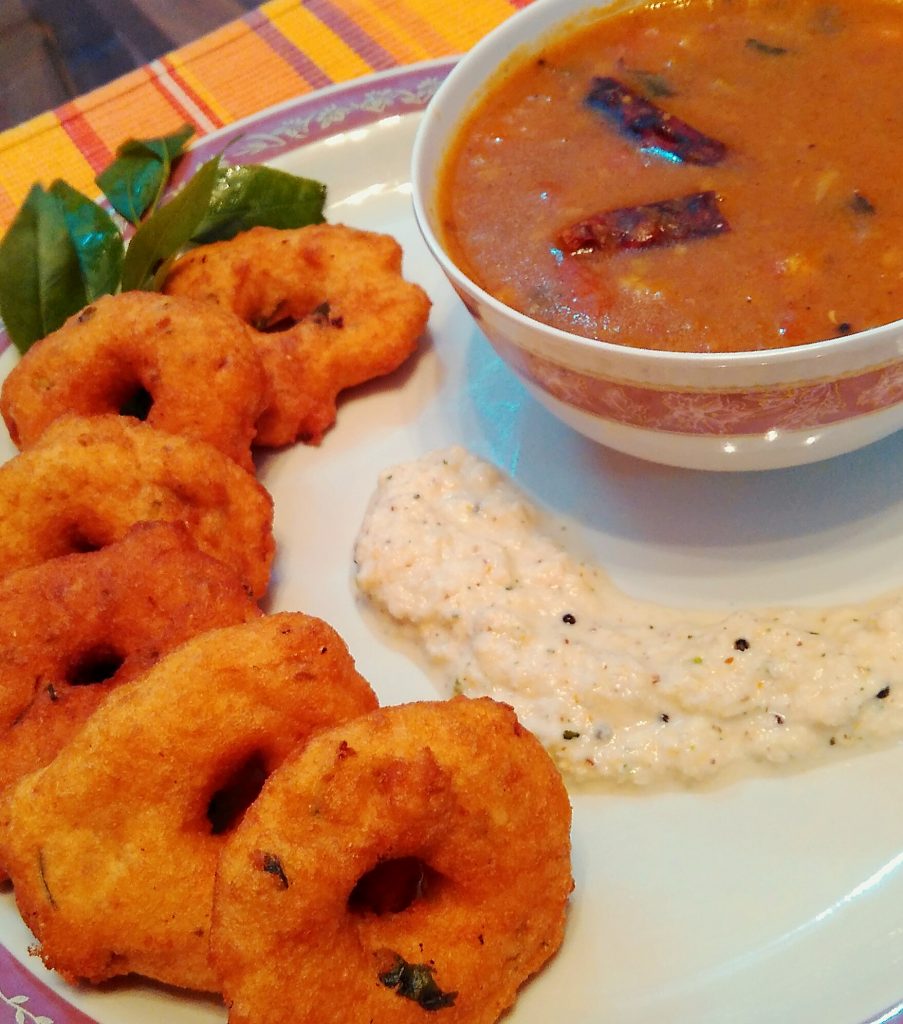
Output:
[[134, 182], [247, 195], [98, 242], [63, 250], [59, 253], [168, 230], [416, 982]]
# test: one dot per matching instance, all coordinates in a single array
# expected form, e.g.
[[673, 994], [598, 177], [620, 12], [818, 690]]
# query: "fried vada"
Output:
[[329, 308], [74, 628], [88, 479], [456, 796], [112, 847], [183, 366]]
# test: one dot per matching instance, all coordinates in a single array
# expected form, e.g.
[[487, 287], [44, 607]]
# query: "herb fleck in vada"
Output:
[[112, 847], [88, 479], [194, 368], [416, 859], [329, 309], [74, 628]]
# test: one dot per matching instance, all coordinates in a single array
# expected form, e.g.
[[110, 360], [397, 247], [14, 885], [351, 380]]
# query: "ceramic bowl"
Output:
[[740, 411]]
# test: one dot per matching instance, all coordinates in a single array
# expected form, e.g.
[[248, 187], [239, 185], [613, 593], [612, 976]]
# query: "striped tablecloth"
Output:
[[280, 50]]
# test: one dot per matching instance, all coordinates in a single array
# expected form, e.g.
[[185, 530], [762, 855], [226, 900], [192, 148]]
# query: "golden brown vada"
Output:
[[196, 366], [112, 847], [456, 790], [329, 309], [88, 479], [74, 628]]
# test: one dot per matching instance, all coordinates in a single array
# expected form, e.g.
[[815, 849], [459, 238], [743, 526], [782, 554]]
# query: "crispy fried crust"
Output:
[[198, 365], [110, 848], [329, 307], [88, 479], [74, 628], [459, 785]]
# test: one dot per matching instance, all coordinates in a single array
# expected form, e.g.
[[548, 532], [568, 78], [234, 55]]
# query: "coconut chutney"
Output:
[[615, 687]]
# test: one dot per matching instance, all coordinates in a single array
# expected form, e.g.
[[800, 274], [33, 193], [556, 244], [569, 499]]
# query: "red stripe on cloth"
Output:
[[296, 59], [184, 113], [364, 45], [191, 93], [77, 126]]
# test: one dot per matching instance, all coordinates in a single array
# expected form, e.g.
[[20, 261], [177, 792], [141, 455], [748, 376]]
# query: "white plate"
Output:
[[769, 900]]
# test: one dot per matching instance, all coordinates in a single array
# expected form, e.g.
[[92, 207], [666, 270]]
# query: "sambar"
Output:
[[802, 96]]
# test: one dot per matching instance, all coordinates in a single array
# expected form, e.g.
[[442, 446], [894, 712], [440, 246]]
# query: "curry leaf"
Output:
[[97, 240], [134, 182], [416, 982], [160, 238], [41, 282], [246, 196], [169, 147]]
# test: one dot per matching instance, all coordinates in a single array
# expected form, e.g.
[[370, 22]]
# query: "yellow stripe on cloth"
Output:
[[325, 50], [461, 31], [39, 151]]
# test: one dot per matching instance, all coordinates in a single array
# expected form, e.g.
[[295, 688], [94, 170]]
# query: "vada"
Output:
[[74, 628], [88, 479], [183, 366], [112, 847], [453, 801], [329, 310]]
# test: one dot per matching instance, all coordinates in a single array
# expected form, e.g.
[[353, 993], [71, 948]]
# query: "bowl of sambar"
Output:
[[678, 221]]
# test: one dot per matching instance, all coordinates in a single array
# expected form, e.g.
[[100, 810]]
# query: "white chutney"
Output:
[[616, 687]]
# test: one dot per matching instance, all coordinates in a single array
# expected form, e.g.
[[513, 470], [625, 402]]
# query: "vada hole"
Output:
[[392, 886], [283, 319], [137, 403], [278, 318], [94, 666], [79, 543], [284, 323], [229, 803]]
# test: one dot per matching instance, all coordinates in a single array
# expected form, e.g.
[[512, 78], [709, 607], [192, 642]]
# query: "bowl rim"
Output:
[[433, 134]]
